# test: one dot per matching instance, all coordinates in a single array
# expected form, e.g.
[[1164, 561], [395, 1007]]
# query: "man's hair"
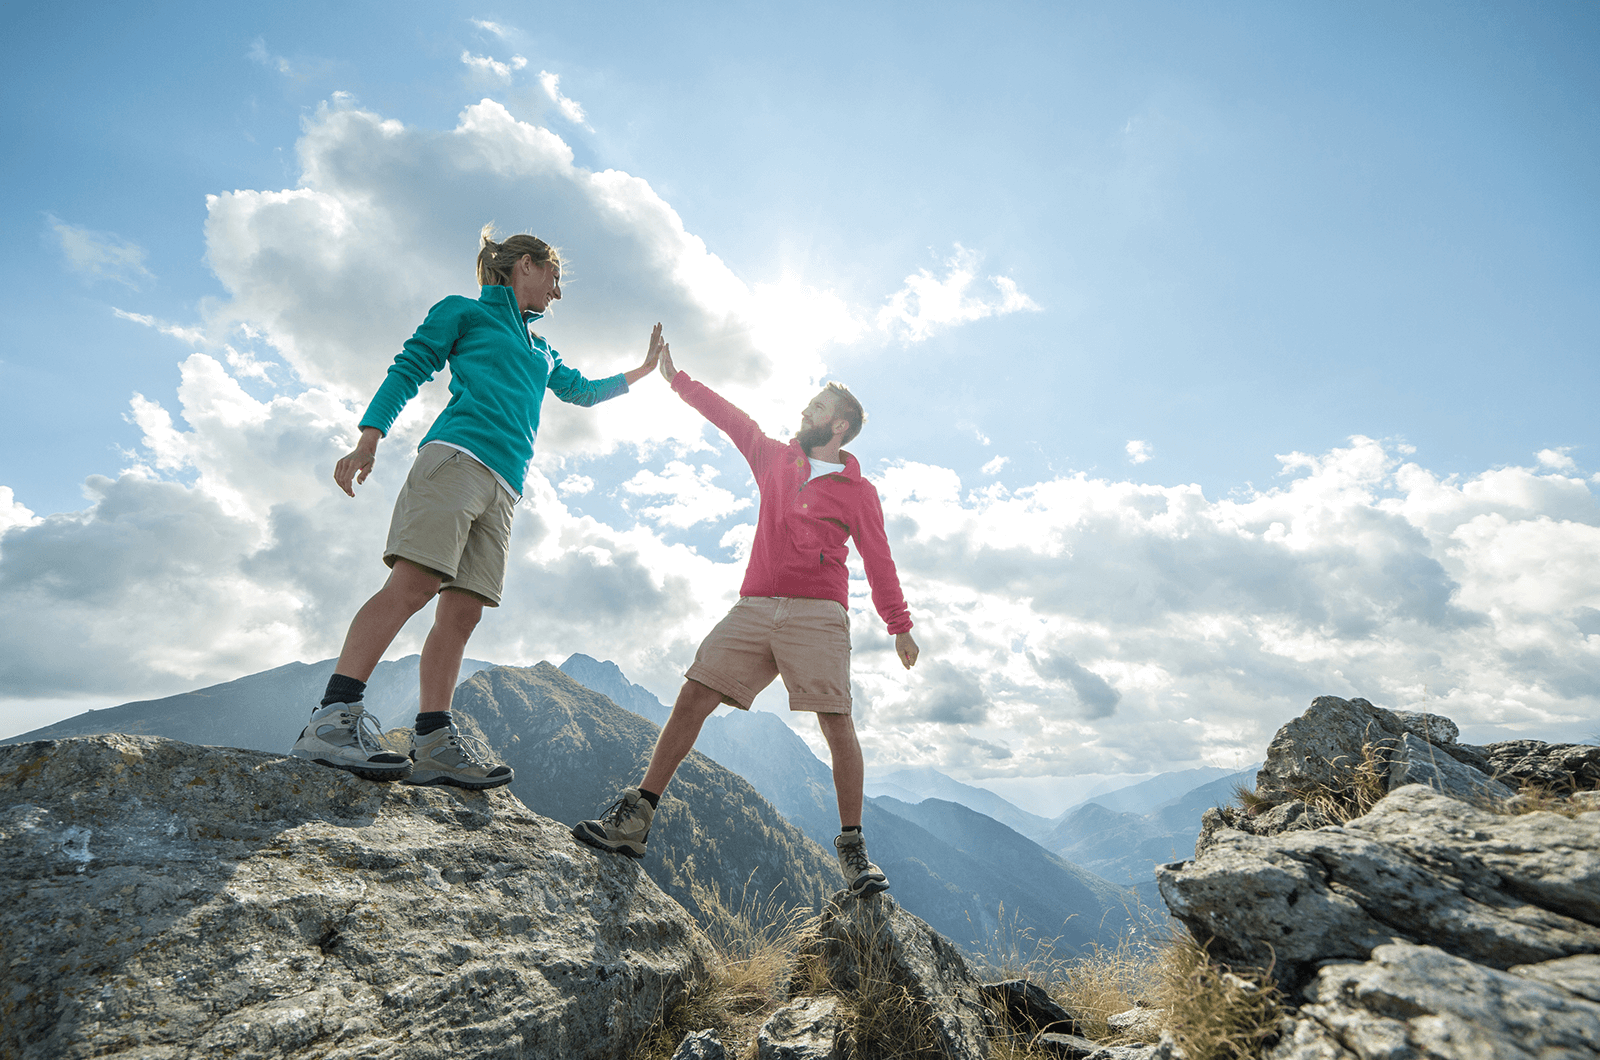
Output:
[[847, 408], [497, 260]]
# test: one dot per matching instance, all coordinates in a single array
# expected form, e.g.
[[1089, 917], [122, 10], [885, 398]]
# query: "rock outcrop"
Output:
[[1440, 923], [160, 899]]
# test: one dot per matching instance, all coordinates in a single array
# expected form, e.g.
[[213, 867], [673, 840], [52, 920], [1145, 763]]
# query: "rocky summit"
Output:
[[160, 899], [1411, 896]]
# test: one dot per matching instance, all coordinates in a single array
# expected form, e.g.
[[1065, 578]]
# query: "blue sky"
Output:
[[1161, 247]]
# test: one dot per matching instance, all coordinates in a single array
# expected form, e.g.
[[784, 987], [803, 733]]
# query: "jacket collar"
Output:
[[496, 294], [852, 466]]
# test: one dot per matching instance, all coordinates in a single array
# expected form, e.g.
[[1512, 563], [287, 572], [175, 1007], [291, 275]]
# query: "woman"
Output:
[[451, 529]]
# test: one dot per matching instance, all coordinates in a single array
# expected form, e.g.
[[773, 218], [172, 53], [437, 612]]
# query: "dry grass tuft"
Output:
[[754, 942], [1534, 798], [1212, 1011]]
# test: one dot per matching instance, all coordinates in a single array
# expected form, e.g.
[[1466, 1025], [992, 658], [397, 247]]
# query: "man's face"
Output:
[[816, 421]]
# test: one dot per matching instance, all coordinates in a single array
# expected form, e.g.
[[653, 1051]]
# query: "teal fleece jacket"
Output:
[[499, 371]]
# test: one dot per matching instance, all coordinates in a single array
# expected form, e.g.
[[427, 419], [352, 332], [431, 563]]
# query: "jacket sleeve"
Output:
[[423, 354], [873, 544], [757, 448], [571, 386]]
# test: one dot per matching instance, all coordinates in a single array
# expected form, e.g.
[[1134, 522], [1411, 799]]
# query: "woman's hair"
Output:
[[496, 260]]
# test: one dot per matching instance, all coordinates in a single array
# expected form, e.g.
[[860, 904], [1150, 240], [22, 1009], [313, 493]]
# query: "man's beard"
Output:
[[814, 436]]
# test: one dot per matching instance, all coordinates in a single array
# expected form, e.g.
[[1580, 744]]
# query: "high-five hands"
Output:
[[668, 369], [657, 347]]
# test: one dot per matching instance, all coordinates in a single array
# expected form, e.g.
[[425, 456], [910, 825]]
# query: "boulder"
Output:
[[1413, 760], [867, 944], [1560, 768], [1420, 867], [701, 1045], [813, 1028], [1420, 1002], [1324, 747], [163, 899], [1029, 1008], [1292, 816]]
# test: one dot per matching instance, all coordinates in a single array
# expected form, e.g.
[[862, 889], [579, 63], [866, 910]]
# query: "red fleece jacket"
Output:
[[801, 530]]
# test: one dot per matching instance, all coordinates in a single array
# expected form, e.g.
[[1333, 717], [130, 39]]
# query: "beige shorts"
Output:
[[806, 641], [453, 518]]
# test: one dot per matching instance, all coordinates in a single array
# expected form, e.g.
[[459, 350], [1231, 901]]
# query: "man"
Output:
[[792, 618]]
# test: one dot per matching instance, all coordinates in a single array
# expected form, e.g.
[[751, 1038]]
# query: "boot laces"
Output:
[[619, 811], [365, 739], [855, 855]]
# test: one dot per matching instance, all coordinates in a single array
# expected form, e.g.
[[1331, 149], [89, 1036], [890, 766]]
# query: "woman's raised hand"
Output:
[[651, 356]]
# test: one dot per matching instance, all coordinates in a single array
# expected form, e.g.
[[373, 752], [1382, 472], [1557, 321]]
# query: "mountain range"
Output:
[[752, 811]]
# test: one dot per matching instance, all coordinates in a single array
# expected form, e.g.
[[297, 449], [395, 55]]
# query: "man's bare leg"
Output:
[[380, 619], [694, 705], [454, 619], [849, 772]]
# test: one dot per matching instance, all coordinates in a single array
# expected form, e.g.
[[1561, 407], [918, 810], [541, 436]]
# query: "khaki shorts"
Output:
[[453, 518], [807, 641]]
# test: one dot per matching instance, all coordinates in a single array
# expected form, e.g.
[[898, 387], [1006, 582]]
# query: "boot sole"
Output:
[[583, 835], [870, 888], [378, 773], [446, 780]]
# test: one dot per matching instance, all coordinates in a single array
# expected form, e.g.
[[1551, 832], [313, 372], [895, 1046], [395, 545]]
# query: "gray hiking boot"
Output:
[[865, 877], [345, 736], [622, 828], [450, 756]]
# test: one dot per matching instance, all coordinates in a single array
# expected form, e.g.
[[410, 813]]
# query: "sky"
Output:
[[1216, 357]]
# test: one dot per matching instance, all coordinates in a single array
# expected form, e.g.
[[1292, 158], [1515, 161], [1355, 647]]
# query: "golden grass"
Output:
[[1212, 1011]]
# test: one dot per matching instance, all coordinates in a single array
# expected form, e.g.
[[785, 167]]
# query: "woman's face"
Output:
[[536, 286]]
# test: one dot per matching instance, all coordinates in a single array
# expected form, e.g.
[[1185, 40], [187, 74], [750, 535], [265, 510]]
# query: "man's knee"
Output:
[[695, 698], [458, 612]]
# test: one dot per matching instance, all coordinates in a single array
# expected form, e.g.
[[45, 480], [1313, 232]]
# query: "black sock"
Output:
[[342, 689], [432, 721], [851, 828], [653, 798]]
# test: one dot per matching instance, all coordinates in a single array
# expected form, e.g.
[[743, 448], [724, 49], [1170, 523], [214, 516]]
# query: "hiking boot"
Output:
[[622, 828], [450, 756], [865, 877], [345, 736]]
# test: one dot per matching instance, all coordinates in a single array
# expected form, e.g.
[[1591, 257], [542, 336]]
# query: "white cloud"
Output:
[[927, 304], [993, 466], [13, 512], [569, 108], [1138, 452], [193, 336], [503, 32], [485, 64], [259, 54], [576, 485], [1557, 458], [692, 499], [103, 254]]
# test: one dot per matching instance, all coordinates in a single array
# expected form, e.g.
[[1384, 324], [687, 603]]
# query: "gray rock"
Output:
[[1321, 748], [1030, 1008], [163, 899], [1166, 1049], [1579, 976], [1414, 761], [874, 940], [1430, 728], [1419, 1002], [1062, 1044], [1137, 1021], [1560, 768], [812, 1028], [701, 1045], [1420, 867]]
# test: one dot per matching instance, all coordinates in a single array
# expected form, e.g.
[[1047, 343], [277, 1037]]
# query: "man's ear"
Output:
[[840, 426]]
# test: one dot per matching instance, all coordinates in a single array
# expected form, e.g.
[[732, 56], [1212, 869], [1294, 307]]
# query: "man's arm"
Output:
[[724, 415], [872, 542]]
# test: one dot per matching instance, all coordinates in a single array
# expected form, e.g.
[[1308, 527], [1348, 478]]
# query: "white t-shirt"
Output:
[[822, 467]]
